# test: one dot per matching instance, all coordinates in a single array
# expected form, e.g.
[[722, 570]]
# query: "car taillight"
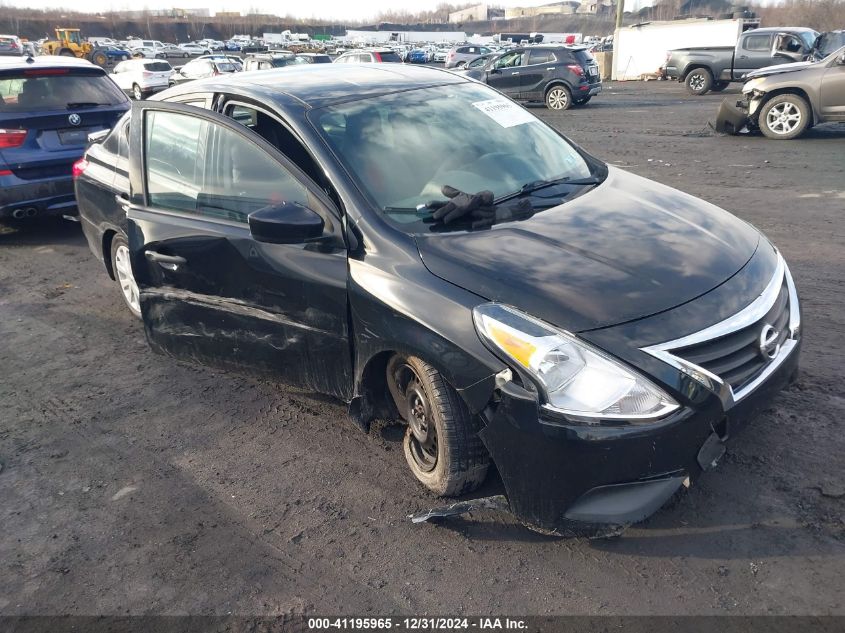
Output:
[[146, 73], [78, 167], [377, 56], [575, 68], [11, 138]]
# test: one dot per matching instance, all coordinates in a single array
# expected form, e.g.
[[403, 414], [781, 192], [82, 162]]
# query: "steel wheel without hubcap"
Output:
[[423, 431], [558, 99], [123, 272], [441, 443]]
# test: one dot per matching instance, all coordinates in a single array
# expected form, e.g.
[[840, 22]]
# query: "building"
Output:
[[556, 8], [597, 7], [477, 13]]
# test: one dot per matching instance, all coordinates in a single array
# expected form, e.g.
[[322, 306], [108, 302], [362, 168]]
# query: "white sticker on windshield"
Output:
[[505, 113]]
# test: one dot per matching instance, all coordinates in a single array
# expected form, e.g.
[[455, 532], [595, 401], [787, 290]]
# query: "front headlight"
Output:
[[749, 86], [577, 379]]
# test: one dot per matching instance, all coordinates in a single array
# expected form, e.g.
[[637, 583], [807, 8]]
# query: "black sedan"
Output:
[[418, 245]]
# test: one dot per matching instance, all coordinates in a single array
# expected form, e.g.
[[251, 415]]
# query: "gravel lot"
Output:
[[134, 484]]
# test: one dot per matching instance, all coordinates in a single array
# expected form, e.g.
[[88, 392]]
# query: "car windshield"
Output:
[[403, 148], [38, 89]]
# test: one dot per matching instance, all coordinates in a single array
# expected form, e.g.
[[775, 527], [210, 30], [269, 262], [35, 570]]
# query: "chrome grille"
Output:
[[737, 358], [733, 357]]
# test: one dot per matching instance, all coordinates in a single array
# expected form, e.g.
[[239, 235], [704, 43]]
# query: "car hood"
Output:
[[778, 69], [627, 249]]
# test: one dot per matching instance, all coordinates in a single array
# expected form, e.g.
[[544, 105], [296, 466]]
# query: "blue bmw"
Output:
[[48, 107]]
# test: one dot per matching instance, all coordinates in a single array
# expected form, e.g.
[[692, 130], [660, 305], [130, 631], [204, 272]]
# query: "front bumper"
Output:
[[47, 197], [570, 479]]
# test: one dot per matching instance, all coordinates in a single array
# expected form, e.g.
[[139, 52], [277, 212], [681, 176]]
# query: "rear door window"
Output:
[[759, 42], [540, 57], [55, 89]]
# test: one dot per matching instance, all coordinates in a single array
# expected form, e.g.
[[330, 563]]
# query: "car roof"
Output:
[[44, 61], [782, 29], [319, 85]]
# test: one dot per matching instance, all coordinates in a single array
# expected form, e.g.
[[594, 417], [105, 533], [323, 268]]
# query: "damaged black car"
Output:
[[416, 244]]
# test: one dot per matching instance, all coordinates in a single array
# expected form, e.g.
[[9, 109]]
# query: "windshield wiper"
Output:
[[84, 104], [537, 185]]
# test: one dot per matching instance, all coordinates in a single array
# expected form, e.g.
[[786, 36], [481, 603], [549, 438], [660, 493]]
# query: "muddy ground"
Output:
[[135, 484]]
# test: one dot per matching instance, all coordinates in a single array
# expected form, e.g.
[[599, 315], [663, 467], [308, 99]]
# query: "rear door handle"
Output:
[[168, 262], [516, 72]]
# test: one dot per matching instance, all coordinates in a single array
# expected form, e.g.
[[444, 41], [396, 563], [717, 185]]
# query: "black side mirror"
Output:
[[285, 223]]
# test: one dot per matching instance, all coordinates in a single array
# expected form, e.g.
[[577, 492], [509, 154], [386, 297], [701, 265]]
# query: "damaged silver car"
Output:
[[784, 101]]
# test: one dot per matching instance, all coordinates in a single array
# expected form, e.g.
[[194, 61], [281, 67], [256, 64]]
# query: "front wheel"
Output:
[[122, 269], [558, 98], [441, 443], [784, 117], [99, 58], [699, 81]]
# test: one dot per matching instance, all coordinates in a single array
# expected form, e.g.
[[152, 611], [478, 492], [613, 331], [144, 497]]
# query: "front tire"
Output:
[[784, 117], [558, 98], [122, 268], [699, 81], [441, 444]]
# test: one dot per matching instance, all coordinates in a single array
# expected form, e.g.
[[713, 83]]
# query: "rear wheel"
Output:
[[136, 92], [784, 117], [558, 98], [441, 443], [699, 81], [122, 268]]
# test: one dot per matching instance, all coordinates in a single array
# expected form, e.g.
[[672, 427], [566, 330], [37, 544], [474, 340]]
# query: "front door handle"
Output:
[[168, 262], [743, 56], [516, 72]]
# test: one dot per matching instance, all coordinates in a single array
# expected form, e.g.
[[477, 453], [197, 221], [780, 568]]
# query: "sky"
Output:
[[318, 9]]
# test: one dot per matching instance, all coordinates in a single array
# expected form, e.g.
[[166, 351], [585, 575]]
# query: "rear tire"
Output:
[[122, 269], [137, 92], [558, 98], [441, 444], [99, 58], [699, 81], [784, 117]]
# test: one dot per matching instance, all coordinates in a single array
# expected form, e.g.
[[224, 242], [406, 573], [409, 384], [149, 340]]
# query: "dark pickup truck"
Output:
[[713, 68]]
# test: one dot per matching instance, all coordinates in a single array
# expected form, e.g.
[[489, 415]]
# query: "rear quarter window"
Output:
[[30, 91]]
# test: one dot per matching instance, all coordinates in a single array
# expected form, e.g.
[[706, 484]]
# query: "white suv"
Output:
[[142, 77]]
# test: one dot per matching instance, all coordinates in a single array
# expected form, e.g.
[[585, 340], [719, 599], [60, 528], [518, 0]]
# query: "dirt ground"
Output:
[[134, 484]]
